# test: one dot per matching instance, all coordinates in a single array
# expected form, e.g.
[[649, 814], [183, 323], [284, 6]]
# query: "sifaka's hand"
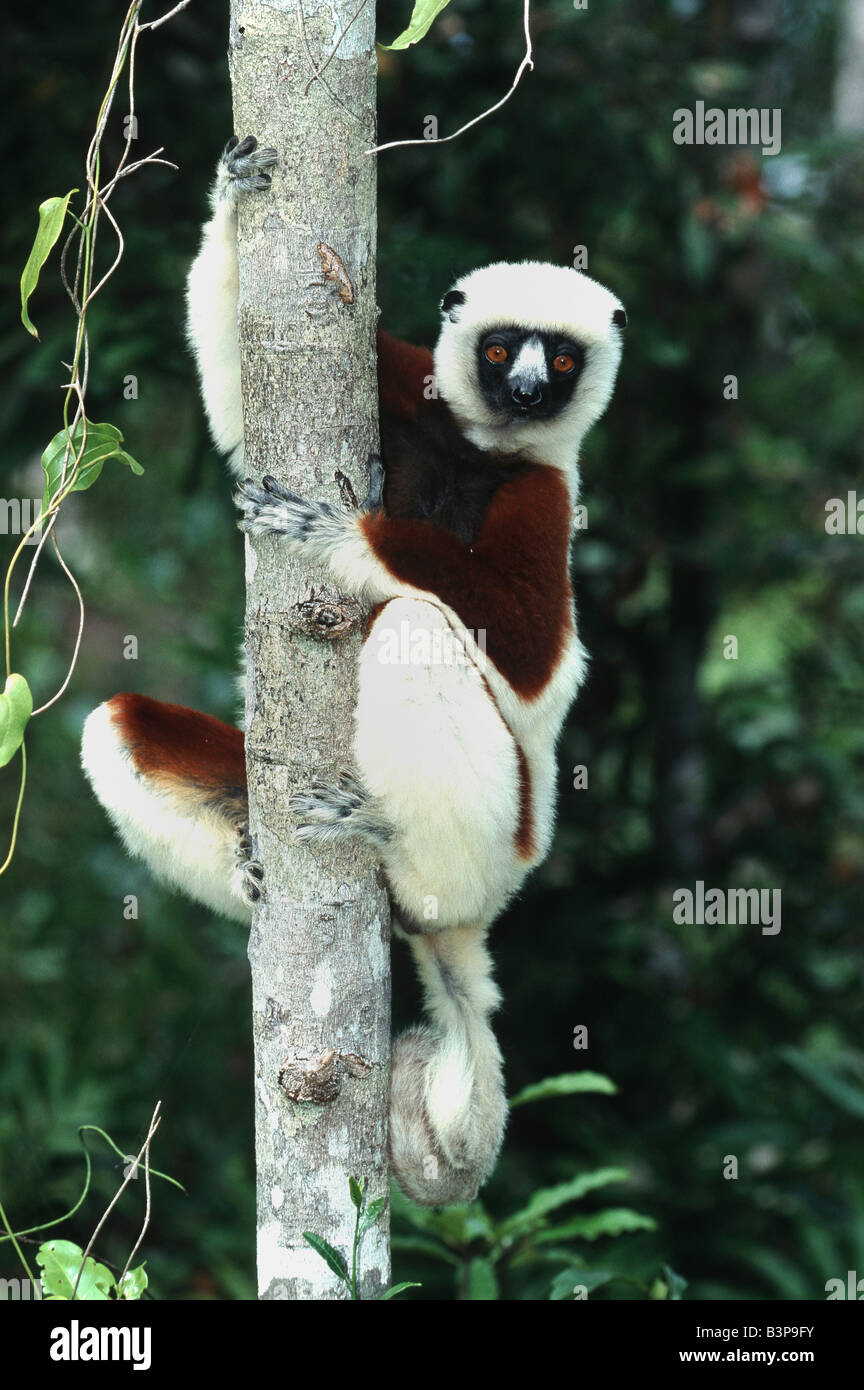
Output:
[[243, 167], [272, 510]]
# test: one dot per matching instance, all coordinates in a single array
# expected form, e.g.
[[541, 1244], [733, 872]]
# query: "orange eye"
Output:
[[563, 362], [496, 353]]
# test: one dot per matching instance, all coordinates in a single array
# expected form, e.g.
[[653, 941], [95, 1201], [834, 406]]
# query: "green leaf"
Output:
[[371, 1214], [482, 1281], [16, 706], [328, 1254], [677, 1283], [423, 15], [568, 1084], [132, 464], [550, 1198], [850, 1098], [789, 1281], [396, 1289], [612, 1222], [52, 214], [60, 1261], [458, 1226], [563, 1284], [356, 1190], [133, 1284], [416, 1245], [103, 442]]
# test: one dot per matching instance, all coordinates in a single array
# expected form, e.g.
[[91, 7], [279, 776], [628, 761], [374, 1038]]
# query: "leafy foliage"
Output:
[[63, 1277], [91, 450], [366, 1215]]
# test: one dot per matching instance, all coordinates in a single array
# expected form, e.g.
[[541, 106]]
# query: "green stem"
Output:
[[354, 1254], [8, 859], [154, 1173], [18, 1250]]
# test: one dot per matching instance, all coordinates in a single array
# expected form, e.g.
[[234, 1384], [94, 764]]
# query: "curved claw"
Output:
[[276, 489]]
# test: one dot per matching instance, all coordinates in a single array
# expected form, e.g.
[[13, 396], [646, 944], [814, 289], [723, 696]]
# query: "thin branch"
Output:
[[316, 77], [78, 636], [154, 1125], [137, 1246], [527, 62], [316, 72], [154, 23], [47, 528]]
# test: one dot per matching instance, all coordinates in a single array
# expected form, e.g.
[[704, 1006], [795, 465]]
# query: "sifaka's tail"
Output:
[[447, 1106]]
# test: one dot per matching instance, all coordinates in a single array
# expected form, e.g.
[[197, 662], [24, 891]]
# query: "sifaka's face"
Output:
[[527, 356], [527, 374]]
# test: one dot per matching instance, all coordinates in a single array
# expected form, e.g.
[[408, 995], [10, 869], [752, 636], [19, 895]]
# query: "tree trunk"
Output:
[[319, 946]]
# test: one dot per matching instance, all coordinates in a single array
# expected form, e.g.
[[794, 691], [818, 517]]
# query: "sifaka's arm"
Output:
[[211, 294]]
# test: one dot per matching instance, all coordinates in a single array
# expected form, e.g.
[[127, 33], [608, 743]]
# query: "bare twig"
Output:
[[527, 62], [155, 23], [154, 1125], [79, 634], [316, 71], [137, 1246], [316, 76]]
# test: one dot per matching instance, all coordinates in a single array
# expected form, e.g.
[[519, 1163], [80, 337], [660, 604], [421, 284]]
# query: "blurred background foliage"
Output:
[[705, 519]]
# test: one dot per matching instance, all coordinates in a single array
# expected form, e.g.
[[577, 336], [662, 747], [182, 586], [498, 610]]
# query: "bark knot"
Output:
[[318, 1080], [326, 619]]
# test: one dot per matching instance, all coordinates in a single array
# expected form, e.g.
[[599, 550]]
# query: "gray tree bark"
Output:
[[319, 946]]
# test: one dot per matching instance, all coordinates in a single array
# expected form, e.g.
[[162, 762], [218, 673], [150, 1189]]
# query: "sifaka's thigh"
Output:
[[433, 749]]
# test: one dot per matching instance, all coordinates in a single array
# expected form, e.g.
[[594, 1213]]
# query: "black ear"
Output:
[[619, 318], [451, 302]]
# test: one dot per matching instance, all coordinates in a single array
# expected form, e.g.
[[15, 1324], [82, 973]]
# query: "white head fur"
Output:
[[530, 295]]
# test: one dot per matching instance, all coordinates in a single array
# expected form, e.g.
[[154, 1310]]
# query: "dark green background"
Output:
[[706, 518]]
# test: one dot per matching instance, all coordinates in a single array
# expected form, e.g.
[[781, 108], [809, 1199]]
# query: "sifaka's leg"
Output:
[[173, 782]]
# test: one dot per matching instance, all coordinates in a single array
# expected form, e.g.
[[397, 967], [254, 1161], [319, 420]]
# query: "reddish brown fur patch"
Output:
[[402, 369], [514, 582], [526, 845], [173, 741]]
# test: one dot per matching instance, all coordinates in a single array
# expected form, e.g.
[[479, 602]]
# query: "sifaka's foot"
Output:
[[329, 813]]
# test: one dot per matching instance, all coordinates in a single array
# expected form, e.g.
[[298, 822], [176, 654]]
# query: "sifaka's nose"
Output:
[[526, 399]]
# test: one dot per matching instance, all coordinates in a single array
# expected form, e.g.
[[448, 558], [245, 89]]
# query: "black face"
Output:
[[528, 375]]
